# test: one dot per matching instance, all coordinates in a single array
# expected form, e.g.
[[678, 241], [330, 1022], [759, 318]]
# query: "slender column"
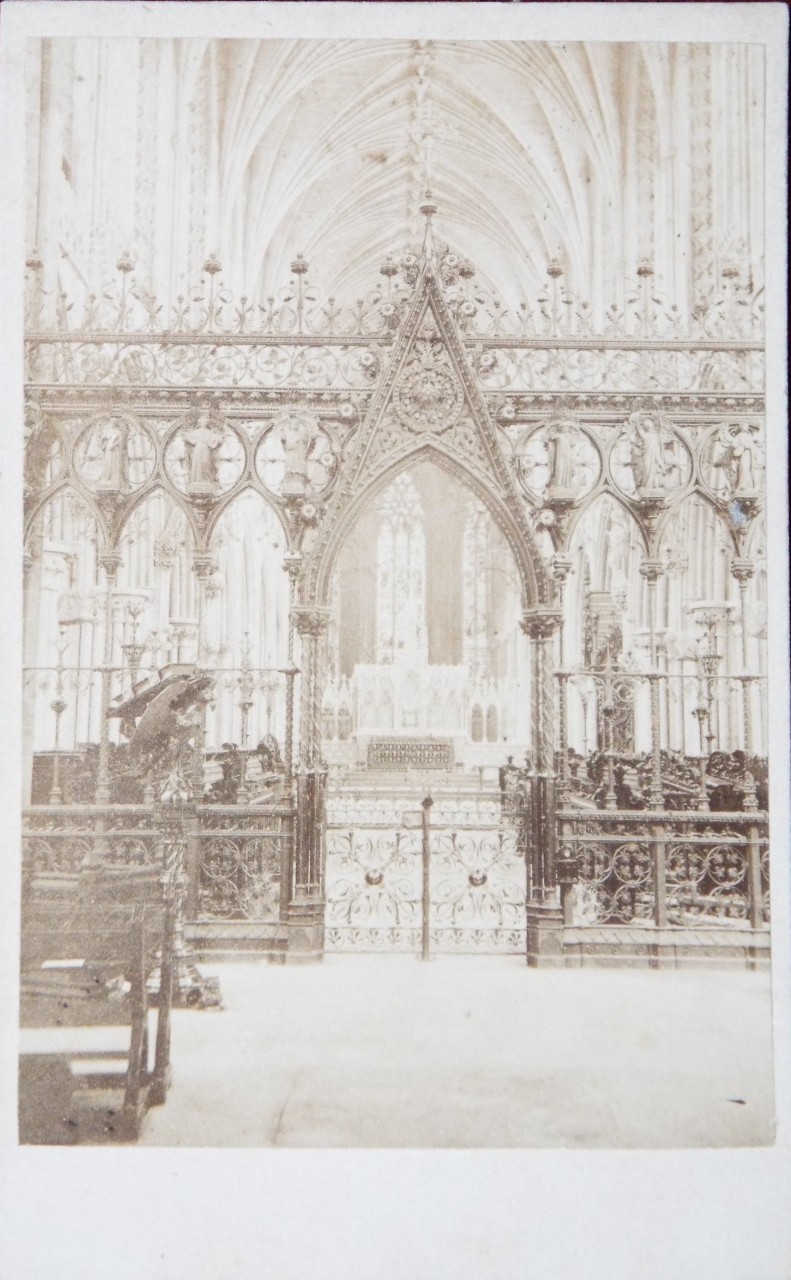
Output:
[[54, 120], [203, 567], [652, 570], [426, 863], [305, 912], [564, 732], [743, 570], [544, 917], [755, 887], [656, 795], [702, 715], [292, 565], [311, 622], [561, 567], [660, 876], [246, 687], [539, 625], [31, 566], [110, 563], [58, 705]]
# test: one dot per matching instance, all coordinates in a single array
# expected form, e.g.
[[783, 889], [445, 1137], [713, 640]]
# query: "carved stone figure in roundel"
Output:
[[557, 461], [428, 396], [648, 459], [43, 451], [205, 458], [731, 460], [295, 456], [115, 456]]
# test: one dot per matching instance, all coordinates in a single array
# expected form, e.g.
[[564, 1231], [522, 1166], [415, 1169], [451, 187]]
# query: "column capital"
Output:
[[111, 562], [561, 567], [310, 619], [292, 563], [540, 623], [742, 569], [652, 570], [202, 564]]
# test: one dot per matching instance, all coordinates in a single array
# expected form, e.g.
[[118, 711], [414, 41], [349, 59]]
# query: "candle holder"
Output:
[[58, 705]]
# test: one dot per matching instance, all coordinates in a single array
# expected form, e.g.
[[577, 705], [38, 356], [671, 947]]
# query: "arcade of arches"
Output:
[[420, 496]]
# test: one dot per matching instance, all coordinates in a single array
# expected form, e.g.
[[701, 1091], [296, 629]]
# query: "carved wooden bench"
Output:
[[85, 1009]]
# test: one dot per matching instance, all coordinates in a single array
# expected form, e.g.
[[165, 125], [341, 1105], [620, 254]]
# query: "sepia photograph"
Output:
[[395, 580], [396, 685]]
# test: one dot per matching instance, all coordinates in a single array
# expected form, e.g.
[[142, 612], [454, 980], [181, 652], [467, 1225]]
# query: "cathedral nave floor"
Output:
[[384, 1051]]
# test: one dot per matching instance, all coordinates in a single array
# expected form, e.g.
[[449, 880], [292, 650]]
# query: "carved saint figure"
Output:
[[111, 440], [742, 458], [646, 453], [297, 437], [560, 456], [202, 442], [721, 479]]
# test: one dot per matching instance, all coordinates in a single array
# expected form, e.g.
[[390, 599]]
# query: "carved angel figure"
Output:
[[733, 459]]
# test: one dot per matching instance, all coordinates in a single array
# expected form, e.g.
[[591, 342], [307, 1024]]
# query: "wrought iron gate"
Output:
[[374, 887]]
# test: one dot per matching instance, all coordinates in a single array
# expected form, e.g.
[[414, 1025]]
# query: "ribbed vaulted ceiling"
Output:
[[327, 148]]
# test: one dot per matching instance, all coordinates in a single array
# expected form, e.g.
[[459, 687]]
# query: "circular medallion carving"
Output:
[[649, 458], [428, 397], [557, 460], [205, 457], [115, 455]]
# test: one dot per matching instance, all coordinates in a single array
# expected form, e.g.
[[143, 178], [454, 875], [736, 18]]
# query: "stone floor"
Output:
[[384, 1051]]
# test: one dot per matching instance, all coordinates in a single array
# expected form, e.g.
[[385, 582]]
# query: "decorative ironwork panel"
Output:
[[478, 885], [239, 873], [615, 885], [374, 889], [679, 870], [61, 852], [374, 886], [62, 839], [707, 880], [166, 362]]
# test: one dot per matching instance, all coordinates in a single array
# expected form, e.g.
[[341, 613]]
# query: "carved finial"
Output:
[[428, 208]]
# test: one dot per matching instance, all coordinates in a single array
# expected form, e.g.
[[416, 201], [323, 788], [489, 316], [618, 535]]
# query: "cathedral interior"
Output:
[[395, 552]]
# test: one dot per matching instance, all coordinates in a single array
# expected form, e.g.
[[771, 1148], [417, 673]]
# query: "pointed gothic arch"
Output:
[[530, 566], [427, 405]]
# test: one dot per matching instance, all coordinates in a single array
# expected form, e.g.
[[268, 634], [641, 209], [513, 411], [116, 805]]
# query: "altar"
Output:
[[451, 715]]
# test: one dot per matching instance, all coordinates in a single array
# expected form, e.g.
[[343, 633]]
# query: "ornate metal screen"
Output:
[[234, 855], [374, 884], [240, 867], [672, 870]]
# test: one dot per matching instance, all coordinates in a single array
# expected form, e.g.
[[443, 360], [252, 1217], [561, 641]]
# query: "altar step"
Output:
[[364, 799], [429, 781]]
